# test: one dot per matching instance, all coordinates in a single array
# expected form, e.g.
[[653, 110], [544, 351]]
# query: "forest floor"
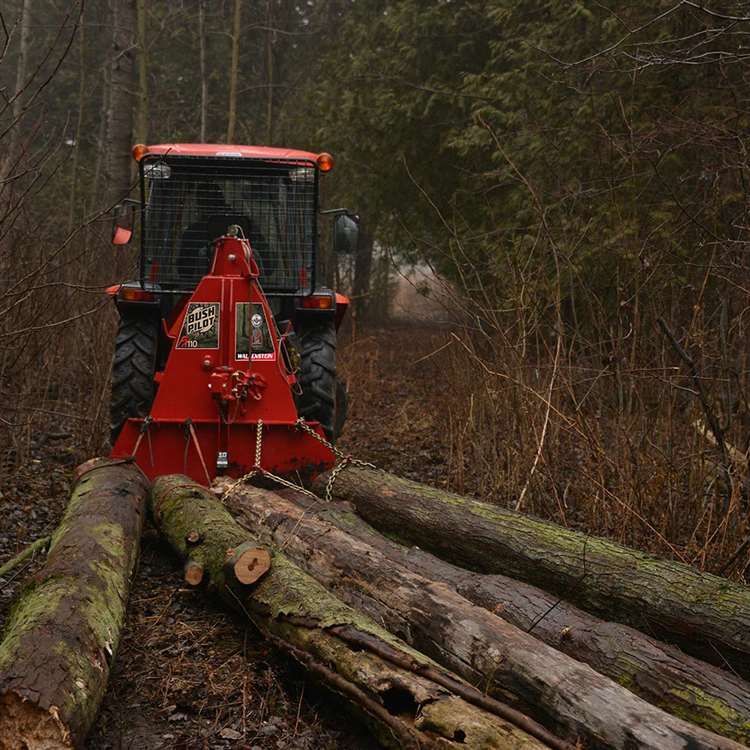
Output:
[[189, 674]]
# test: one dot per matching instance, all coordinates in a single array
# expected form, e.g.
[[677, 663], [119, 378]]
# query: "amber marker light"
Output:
[[325, 162], [139, 151], [317, 302], [133, 294]]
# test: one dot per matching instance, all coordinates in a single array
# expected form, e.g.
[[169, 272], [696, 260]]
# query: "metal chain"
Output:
[[345, 460], [259, 470], [258, 443]]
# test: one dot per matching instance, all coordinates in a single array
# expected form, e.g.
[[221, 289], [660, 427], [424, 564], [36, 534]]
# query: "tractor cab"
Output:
[[227, 300]]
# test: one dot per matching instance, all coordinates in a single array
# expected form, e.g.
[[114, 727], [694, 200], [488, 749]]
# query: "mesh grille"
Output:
[[190, 201]]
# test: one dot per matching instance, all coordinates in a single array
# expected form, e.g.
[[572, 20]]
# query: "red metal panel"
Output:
[[224, 373]]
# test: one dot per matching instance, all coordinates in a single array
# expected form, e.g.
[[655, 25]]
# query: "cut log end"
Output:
[[193, 573], [250, 564], [24, 724]]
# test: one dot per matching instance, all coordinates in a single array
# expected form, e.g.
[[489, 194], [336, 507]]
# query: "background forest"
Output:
[[571, 177]]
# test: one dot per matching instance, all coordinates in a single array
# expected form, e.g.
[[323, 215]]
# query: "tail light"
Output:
[[135, 294], [317, 302]]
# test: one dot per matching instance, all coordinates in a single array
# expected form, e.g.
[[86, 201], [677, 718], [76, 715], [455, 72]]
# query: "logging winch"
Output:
[[225, 356]]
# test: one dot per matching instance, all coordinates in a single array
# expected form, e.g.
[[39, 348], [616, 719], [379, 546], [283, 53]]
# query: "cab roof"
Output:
[[223, 149]]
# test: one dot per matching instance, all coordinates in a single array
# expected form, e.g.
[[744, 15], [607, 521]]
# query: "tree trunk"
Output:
[[661, 674], [234, 71], [121, 101], [708, 615], [204, 75], [82, 97], [141, 128], [401, 691], [362, 273], [63, 632], [569, 697], [11, 155], [269, 75]]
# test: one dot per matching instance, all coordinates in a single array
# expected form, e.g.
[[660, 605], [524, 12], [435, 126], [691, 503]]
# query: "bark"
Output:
[[269, 74], [202, 57], [82, 96], [708, 615], [121, 103], [362, 273], [568, 696], [18, 94], [234, 70], [141, 130], [62, 634], [380, 676], [659, 673]]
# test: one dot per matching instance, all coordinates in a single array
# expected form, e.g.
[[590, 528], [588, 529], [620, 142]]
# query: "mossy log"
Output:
[[401, 692], [62, 633], [569, 697], [659, 673], [707, 615]]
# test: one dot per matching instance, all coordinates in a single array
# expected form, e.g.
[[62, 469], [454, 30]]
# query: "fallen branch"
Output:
[[62, 634], [25, 554]]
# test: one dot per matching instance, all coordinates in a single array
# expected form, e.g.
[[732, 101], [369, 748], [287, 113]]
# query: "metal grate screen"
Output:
[[190, 201]]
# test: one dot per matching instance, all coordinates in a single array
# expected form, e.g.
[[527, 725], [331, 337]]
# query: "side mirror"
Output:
[[122, 223], [346, 234]]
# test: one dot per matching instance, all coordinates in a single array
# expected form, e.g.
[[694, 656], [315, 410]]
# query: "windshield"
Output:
[[191, 201]]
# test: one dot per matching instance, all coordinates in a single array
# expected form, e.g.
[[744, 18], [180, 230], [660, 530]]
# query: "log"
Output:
[[707, 615], [568, 696], [62, 634], [401, 692], [680, 684]]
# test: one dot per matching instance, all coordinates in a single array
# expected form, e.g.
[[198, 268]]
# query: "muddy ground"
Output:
[[188, 674]]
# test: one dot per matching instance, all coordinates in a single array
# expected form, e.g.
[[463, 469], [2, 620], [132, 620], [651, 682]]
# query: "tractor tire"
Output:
[[133, 368], [321, 392]]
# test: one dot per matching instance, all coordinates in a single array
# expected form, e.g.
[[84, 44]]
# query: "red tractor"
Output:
[[225, 358]]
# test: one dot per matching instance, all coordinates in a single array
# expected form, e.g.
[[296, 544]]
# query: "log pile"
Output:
[[440, 621]]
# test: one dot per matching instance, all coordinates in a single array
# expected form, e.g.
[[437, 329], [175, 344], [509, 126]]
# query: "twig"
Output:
[[31, 550], [735, 555], [540, 447], [711, 419]]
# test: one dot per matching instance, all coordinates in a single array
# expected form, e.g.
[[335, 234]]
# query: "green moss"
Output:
[[38, 605], [77, 498], [81, 678], [692, 704], [525, 537], [110, 537], [285, 592]]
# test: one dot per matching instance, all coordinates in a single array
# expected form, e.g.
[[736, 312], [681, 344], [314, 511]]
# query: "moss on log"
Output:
[[405, 708], [62, 633], [707, 615], [663, 675], [568, 696]]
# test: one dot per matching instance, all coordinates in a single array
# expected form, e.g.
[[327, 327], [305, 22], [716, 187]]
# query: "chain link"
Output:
[[345, 460]]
